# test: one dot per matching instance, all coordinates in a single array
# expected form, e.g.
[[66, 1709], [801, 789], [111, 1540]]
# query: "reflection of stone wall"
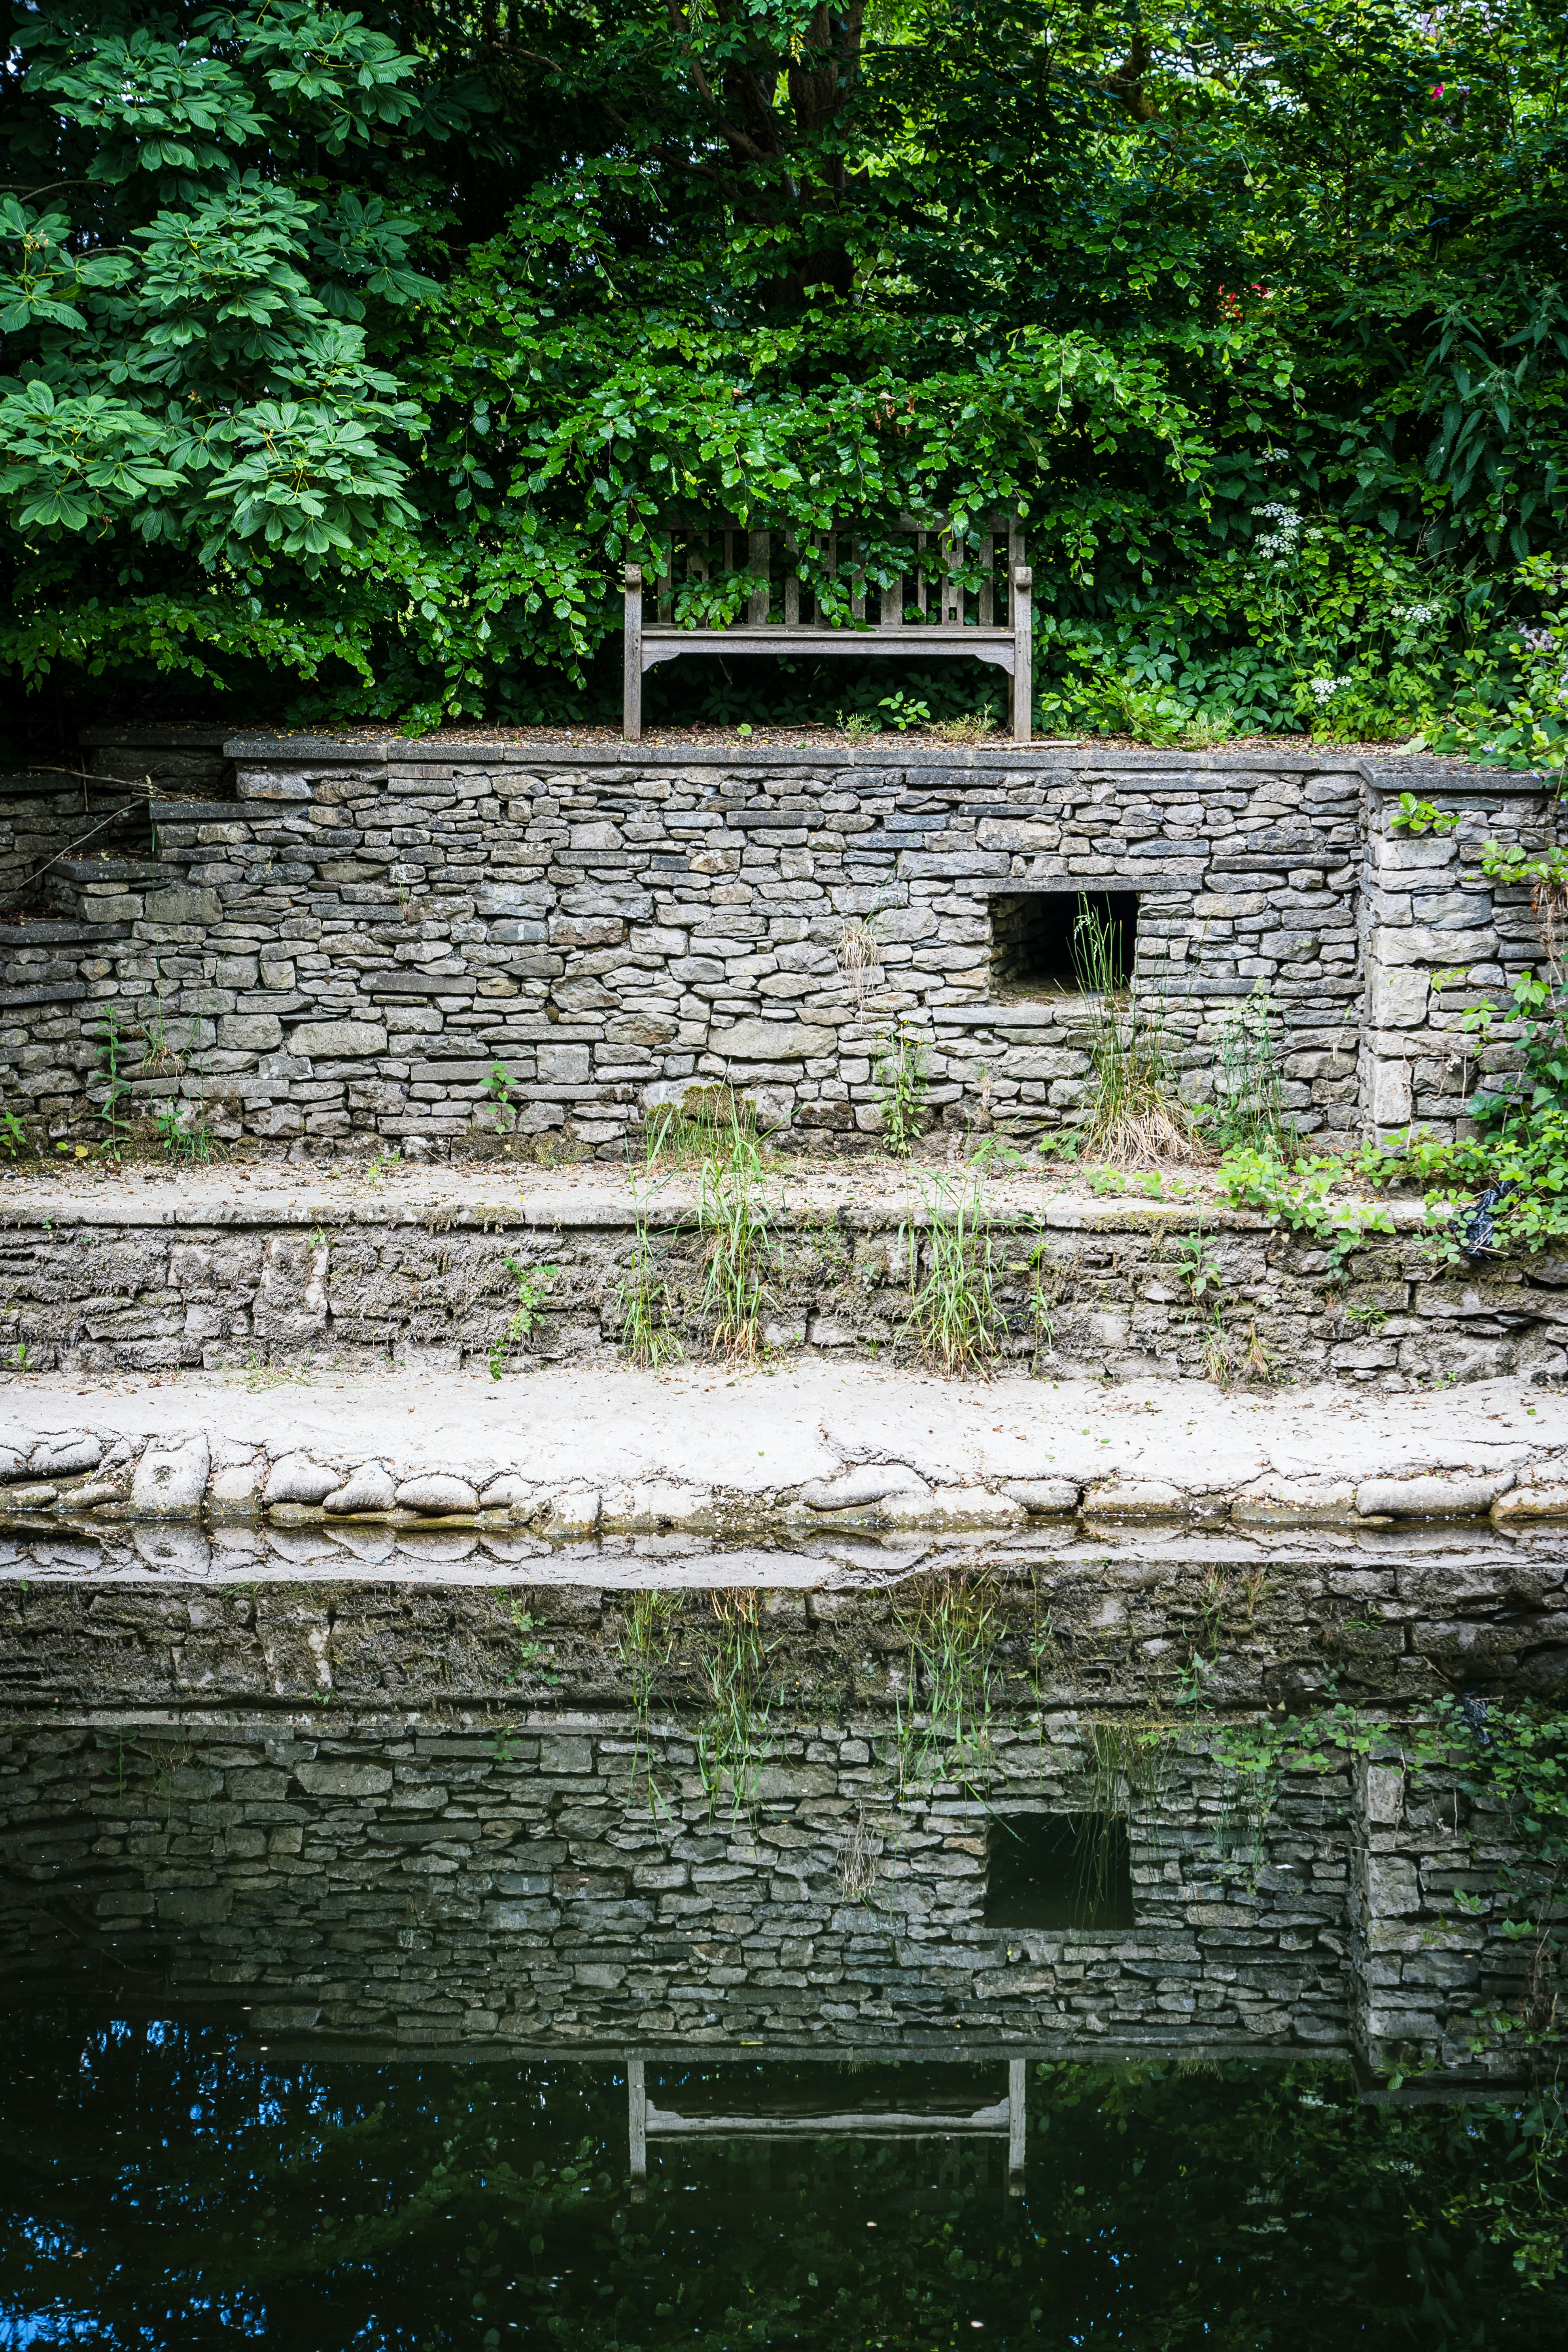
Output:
[[428, 1886], [133, 1282], [349, 947], [1100, 1618]]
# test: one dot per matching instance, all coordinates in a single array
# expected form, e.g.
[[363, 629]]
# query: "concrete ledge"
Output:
[[733, 1457]]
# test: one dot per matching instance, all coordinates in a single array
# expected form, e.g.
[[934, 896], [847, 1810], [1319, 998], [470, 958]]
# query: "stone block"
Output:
[[770, 1041], [342, 1776], [296, 1479], [203, 909], [1397, 999], [250, 1033], [337, 1040], [171, 1480]]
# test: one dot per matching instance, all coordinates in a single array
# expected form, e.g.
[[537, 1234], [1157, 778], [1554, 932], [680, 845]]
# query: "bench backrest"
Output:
[[720, 573]]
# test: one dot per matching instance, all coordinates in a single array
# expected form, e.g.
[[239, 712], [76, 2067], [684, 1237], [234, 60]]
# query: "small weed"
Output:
[[296, 1371], [531, 1653], [902, 1076], [116, 1128], [731, 1747], [13, 1135], [972, 727], [1206, 730], [903, 713], [22, 1357], [953, 1631], [1201, 1270], [498, 1087], [646, 1305], [380, 1164], [183, 1130], [529, 1281], [1250, 1114], [1131, 1113], [647, 1645], [1044, 1296], [1219, 1357], [691, 1132], [737, 1220], [858, 724]]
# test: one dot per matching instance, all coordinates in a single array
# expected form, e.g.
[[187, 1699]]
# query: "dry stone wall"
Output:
[[138, 1280], [414, 944]]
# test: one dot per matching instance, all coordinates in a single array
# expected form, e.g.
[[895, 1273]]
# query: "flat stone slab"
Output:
[[730, 1453]]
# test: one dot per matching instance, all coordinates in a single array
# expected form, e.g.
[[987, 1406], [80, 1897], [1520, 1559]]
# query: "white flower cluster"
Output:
[[1273, 457], [1277, 545], [1538, 641], [1323, 689], [1418, 616]]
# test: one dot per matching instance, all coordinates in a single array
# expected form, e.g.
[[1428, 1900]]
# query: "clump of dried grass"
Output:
[[1133, 1115]]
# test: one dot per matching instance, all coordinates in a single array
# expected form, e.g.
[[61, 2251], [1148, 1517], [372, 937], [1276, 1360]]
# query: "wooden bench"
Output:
[[973, 602]]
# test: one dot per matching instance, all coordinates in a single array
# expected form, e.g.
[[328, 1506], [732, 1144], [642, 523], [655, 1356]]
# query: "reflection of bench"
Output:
[[934, 598], [1005, 2120]]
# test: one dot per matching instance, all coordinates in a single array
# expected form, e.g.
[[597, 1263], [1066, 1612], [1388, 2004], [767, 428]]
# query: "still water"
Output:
[[170, 2184]]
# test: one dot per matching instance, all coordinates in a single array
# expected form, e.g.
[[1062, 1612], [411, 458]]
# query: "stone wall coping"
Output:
[[188, 1210], [181, 734], [885, 753]]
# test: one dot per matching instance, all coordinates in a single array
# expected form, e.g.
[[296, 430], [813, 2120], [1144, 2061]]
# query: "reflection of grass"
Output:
[[953, 1631], [731, 1742], [646, 1644], [1126, 1768]]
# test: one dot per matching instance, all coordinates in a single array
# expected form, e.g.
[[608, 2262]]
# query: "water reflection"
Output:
[[165, 2185], [397, 1923]]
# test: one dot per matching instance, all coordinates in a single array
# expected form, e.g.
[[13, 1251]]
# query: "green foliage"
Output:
[[955, 1318], [362, 346], [1519, 1149], [1250, 1114], [1413, 815], [1302, 1195]]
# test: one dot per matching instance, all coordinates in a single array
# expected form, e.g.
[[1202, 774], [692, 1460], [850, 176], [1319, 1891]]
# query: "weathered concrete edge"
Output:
[[564, 1212]]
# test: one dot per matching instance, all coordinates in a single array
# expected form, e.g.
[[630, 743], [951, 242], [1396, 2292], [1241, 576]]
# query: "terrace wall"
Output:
[[352, 946]]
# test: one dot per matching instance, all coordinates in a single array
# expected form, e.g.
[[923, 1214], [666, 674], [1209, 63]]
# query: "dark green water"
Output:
[[163, 2188]]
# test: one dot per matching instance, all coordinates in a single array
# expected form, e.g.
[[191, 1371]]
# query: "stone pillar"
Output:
[[1426, 913]]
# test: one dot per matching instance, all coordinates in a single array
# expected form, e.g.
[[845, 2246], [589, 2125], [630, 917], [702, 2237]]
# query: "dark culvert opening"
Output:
[[1037, 948]]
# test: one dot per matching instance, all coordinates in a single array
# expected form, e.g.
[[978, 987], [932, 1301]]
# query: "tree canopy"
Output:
[[349, 352]]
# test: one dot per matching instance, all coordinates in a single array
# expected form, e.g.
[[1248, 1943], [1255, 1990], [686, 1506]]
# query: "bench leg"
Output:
[[631, 676], [637, 2122], [1023, 654]]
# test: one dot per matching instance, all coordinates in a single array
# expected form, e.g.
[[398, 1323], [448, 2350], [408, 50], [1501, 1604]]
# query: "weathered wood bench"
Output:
[[965, 601]]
